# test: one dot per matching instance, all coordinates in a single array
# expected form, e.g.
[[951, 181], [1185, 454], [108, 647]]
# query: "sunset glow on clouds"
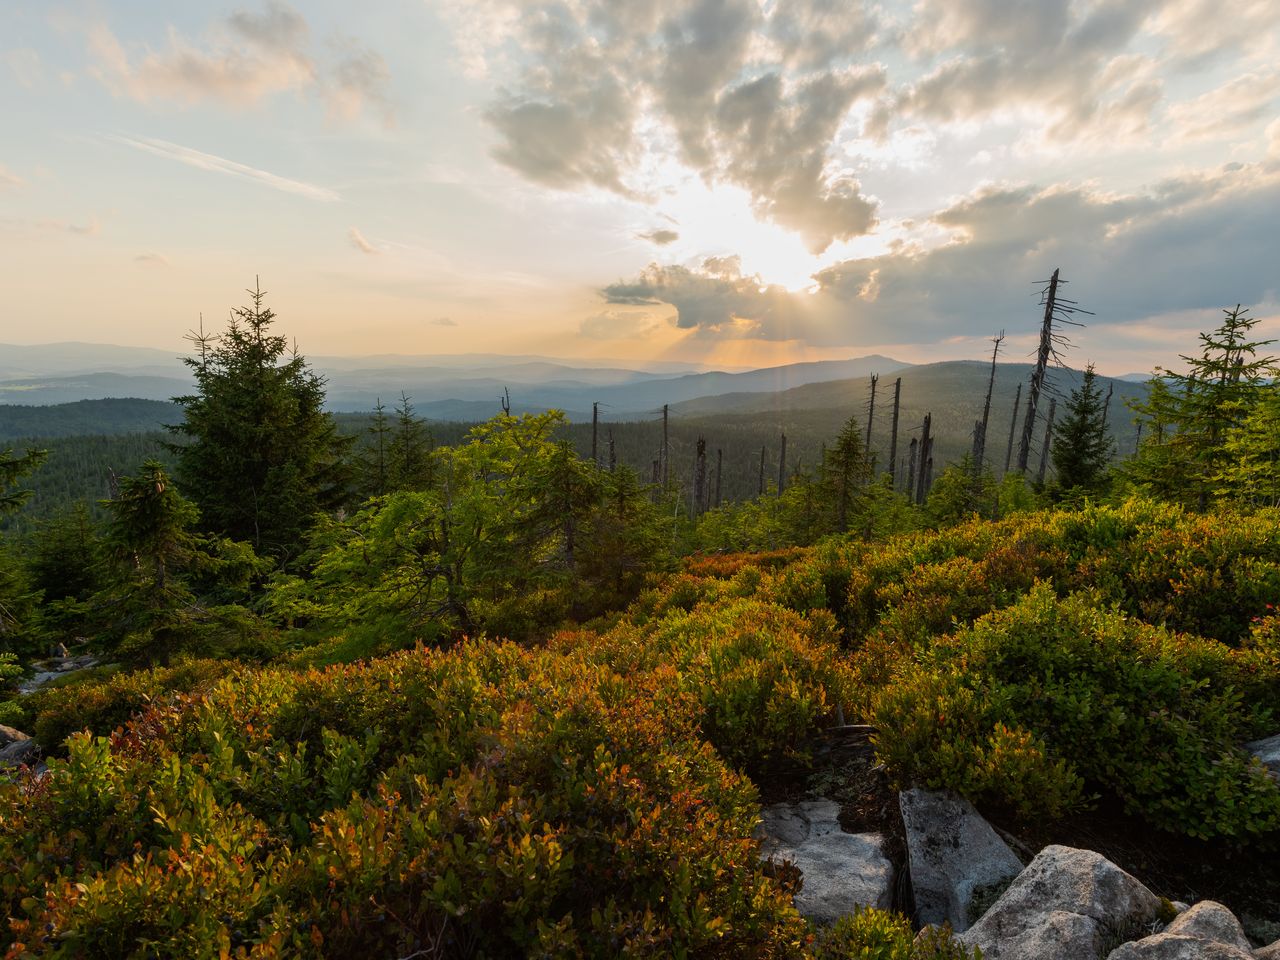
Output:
[[701, 179]]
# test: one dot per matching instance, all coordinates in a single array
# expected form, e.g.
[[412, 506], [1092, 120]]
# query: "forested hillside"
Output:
[[383, 687]]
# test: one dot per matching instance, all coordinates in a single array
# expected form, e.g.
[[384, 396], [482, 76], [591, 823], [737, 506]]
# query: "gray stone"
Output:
[[841, 871], [10, 735], [952, 852], [1181, 907], [20, 753], [1177, 946], [1268, 953], [1268, 751], [1060, 906], [1210, 920]]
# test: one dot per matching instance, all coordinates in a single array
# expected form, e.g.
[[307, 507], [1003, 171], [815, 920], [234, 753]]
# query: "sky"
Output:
[[729, 182]]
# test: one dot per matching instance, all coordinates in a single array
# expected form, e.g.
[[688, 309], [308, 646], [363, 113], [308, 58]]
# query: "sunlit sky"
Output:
[[724, 181]]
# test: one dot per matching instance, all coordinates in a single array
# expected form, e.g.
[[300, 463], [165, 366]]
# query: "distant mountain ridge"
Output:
[[444, 389]]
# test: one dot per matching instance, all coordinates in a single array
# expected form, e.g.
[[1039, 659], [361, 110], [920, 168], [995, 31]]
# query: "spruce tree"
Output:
[[13, 469], [262, 457], [409, 464], [842, 477], [1082, 450], [1194, 413]]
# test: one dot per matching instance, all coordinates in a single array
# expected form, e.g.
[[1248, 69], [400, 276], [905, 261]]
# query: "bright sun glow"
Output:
[[719, 221]]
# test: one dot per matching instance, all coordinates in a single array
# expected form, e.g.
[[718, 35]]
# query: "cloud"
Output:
[[713, 300], [1066, 67], [1193, 242], [1228, 109], [741, 97], [360, 243], [444, 322], [660, 237], [9, 179], [360, 80], [151, 260], [215, 164], [1196, 33], [242, 60]]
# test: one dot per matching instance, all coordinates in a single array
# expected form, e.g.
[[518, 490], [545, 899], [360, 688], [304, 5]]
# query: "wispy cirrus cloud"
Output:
[[244, 59], [8, 178], [359, 241], [216, 164]]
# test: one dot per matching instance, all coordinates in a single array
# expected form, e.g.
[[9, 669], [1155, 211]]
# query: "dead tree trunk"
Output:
[[871, 412], [893, 434], [782, 465], [912, 454], [666, 452], [719, 473], [1048, 439], [760, 483], [595, 427], [613, 453], [980, 435], [1013, 429], [1037, 375], [926, 449], [700, 479], [928, 470]]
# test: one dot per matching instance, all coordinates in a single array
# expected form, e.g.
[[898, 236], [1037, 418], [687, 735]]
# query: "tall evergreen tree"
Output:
[[13, 469], [409, 465], [1251, 474], [18, 596], [1192, 414], [263, 456], [1082, 449], [842, 476]]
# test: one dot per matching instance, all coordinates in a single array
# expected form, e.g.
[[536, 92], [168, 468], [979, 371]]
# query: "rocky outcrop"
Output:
[[10, 735], [952, 852], [25, 752], [1268, 751], [1268, 953], [1207, 930], [841, 872], [53, 669], [1065, 904]]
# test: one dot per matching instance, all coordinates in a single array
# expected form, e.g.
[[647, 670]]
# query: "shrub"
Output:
[[1059, 689], [872, 934]]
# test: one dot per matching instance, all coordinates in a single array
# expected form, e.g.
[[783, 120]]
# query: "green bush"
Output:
[[100, 707], [1058, 691], [872, 934]]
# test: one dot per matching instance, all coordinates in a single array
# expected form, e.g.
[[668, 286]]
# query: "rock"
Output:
[[34, 683], [842, 871], [952, 852], [1210, 920], [1175, 946], [1268, 751], [20, 753], [9, 735], [1268, 953], [1180, 907], [1062, 905]]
